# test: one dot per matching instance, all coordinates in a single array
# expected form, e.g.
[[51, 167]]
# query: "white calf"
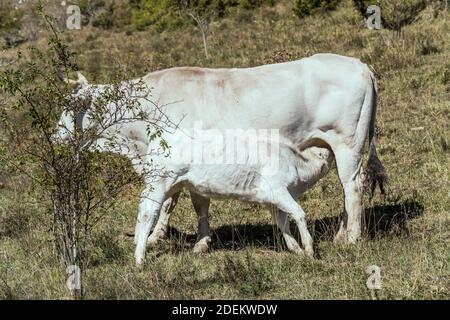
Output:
[[259, 182]]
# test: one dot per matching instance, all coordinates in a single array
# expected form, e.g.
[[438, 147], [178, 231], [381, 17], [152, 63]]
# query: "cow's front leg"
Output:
[[201, 206], [150, 205], [160, 230]]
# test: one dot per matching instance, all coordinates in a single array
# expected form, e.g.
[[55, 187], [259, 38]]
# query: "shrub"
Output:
[[10, 24], [121, 15], [88, 7], [304, 8], [155, 12], [394, 13], [106, 14], [104, 19], [165, 14], [10, 18], [252, 4]]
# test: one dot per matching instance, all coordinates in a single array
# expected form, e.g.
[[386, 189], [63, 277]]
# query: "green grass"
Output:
[[410, 243]]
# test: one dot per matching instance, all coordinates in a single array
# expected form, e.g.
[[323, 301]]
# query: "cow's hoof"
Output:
[[152, 241], [139, 263], [353, 239], [340, 238], [202, 246]]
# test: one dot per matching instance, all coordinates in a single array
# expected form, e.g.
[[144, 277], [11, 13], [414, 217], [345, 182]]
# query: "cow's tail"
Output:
[[375, 171]]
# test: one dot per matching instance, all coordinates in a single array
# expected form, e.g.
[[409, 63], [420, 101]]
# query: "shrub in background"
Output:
[[165, 13], [161, 13], [10, 18], [304, 8], [253, 4], [121, 15], [105, 18], [10, 24], [394, 13], [89, 7], [105, 14]]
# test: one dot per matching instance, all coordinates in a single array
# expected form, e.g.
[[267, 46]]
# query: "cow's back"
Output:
[[295, 97]]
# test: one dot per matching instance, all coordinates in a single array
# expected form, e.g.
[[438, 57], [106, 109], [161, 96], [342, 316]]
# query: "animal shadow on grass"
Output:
[[378, 221]]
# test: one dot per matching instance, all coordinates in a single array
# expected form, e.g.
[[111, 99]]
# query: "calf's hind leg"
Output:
[[286, 203], [281, 219]]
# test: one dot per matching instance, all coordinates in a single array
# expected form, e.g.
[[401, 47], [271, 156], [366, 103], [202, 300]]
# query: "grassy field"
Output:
[[407, 234]]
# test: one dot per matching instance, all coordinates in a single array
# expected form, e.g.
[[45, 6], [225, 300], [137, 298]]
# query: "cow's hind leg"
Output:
[[160, 230], [348, 164], [201, 206]]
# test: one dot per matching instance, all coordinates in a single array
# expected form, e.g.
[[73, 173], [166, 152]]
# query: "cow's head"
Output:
[[82, 95]]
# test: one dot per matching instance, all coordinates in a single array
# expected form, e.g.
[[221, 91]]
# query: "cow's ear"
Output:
[[82, 80], [72, 83]]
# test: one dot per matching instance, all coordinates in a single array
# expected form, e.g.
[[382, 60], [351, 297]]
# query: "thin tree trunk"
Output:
[[205, 44]]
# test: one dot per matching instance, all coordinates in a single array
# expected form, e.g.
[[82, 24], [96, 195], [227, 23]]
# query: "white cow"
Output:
[[232, 180], [299, 170], [325, 101]]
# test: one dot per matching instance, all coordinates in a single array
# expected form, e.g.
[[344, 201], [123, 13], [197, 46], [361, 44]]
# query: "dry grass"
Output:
[[408, 233]]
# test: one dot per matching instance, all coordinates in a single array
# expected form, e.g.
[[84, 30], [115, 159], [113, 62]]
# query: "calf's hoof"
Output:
[[299, 251], [202, 246], [310, 253]]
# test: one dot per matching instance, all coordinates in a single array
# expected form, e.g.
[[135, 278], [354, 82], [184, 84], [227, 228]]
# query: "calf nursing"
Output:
[[323, 106], [277, 178]]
